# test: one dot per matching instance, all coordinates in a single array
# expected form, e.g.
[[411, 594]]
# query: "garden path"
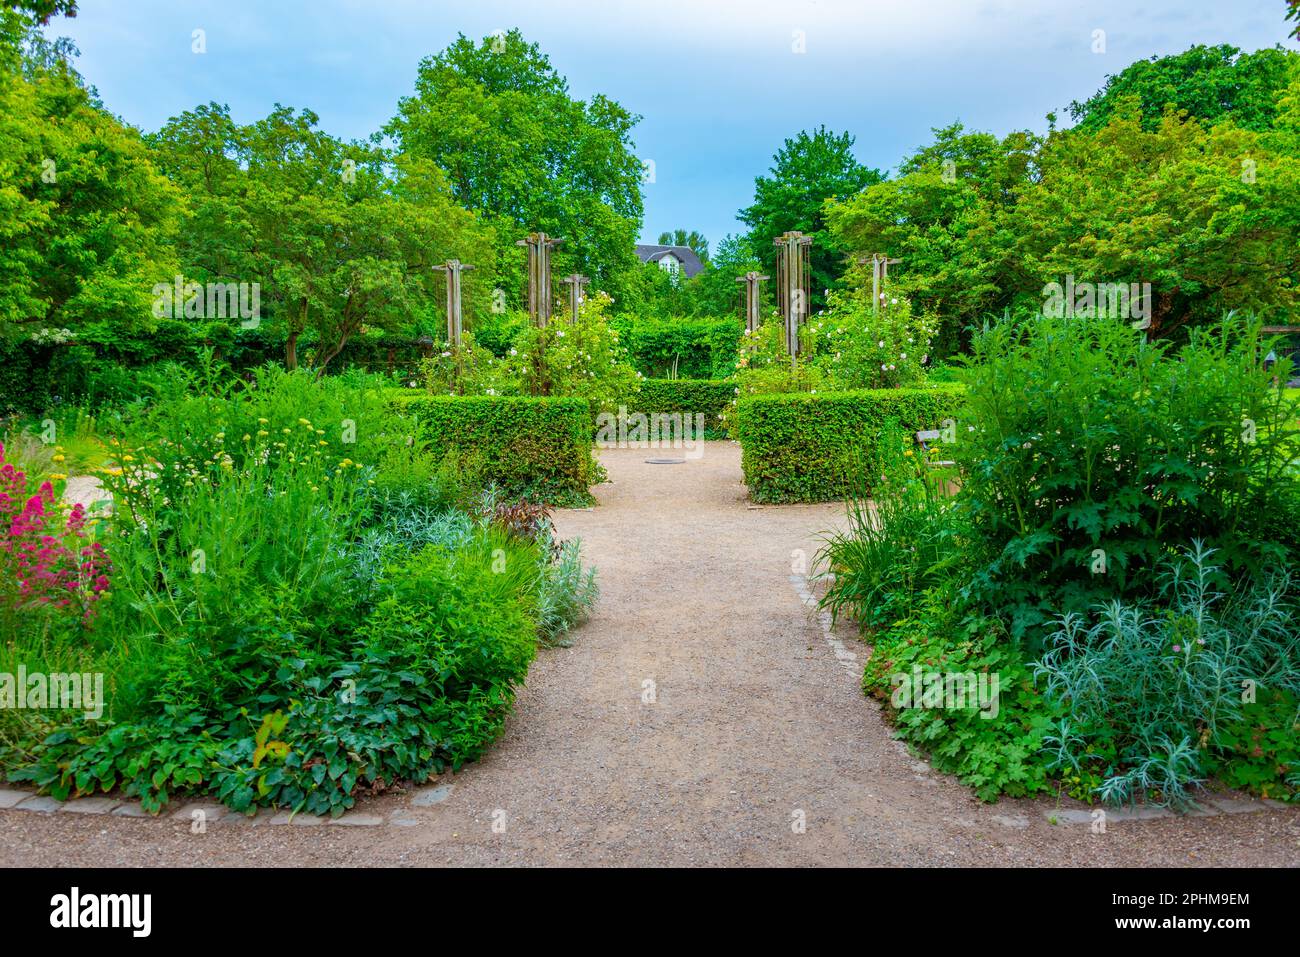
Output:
[[756, 723]]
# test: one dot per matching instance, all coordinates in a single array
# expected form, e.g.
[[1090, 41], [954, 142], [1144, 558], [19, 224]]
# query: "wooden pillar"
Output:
[[793, 280], [753, 301], [576, 284], [539, 247], [455, 317]]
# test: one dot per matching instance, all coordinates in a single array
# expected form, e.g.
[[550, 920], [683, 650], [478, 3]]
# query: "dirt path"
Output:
[[756, 722]]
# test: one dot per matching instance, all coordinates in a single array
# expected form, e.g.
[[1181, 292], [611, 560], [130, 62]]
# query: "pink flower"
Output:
[[42, 558]]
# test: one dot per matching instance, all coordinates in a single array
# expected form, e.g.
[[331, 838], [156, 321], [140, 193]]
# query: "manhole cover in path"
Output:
[[665, 461]]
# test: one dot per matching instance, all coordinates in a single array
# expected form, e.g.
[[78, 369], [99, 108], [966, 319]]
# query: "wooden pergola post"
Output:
[[576, 283], [753, 303], [793, 269], [539, 247], [880, 263], [455, 317]]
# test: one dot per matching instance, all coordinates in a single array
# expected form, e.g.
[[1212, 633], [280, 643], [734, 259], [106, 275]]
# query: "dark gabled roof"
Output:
[[691, 264]]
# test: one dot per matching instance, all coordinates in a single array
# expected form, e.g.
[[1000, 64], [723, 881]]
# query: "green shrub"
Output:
[[284, 627], [1260, 750], [424, 682], [536, 446], [849, 346], [708, 397], [686, 348], [1150, 694], [584, 358], [801, 447], [1088, 454]]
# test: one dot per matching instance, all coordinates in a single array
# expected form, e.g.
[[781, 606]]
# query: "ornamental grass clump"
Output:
[[901, 536]]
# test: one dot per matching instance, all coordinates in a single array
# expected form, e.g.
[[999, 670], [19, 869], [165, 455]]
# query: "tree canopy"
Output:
[[806, 171], [1208, 83], [342, 235], [520, 151], [87, 222]]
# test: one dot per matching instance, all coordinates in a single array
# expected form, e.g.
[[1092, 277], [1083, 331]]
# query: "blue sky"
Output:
[[719, 84]]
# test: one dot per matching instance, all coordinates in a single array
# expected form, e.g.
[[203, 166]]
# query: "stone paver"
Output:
[[427, 797], [8, 798], [90, 805], [39, 803]]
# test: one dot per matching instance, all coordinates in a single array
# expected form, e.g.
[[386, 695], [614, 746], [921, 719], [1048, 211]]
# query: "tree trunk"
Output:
[[291, 343], [334, 350]]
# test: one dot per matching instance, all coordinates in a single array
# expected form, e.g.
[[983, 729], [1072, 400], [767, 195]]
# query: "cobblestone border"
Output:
[[210, 812]]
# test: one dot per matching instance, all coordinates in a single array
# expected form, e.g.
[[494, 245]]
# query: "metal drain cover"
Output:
[[665, 461]]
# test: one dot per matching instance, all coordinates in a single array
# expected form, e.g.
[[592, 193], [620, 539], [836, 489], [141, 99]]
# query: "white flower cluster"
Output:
[[51, 337]]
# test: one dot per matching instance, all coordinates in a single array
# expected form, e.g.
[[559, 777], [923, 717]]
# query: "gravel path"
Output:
[[752, 722]]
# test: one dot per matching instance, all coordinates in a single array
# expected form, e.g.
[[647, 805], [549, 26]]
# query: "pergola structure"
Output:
[[880, 263], [794, 279], [576, 283], [539, 247], [753, 302], [455, 313]]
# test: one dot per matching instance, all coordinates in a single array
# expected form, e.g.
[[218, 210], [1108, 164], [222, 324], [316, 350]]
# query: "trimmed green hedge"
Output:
[[696, 347], [687, 396], [801, 447], [535, 446]]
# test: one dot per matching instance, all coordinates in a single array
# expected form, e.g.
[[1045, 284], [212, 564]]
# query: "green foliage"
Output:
[[584, 359], [86, 219], [1260, 750], [899, 543], [521, 152], [847, 346], [1210, 84], [1197, 208], [708, 397], [806, 172], [467, 369], [291, 628], [1087, 452], [1200, 212], [691, 238], [809, 447], [1148, 693], [567, 592], [342, 237], [497, 331], [539, 446], [695, 348], [945, 217], [991, 753]]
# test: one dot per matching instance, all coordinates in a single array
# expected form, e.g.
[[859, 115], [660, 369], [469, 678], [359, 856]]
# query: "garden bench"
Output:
[[930, 435]]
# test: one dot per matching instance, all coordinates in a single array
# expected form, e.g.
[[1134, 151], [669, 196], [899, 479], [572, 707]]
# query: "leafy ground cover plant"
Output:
[[994, 745]]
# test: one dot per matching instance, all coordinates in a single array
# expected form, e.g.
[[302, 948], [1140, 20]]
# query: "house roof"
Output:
[[691, 264]]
